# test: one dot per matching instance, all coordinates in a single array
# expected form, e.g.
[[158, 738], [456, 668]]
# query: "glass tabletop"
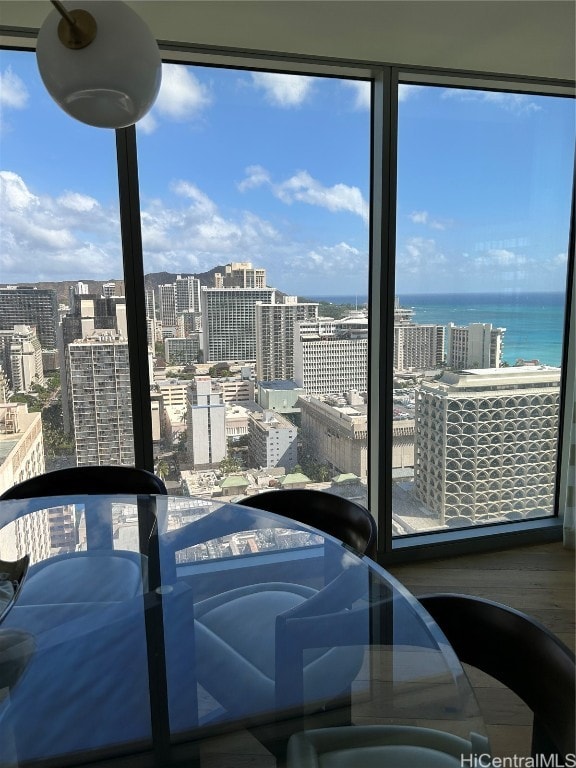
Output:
[[148, 624]]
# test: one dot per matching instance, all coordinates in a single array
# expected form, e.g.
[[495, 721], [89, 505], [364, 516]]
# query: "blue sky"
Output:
[[274, 169]]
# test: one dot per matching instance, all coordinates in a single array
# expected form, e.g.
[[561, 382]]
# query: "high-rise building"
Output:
[[272, 441], [229, 322], [240, 274], [187, 294], [21, 445], [335, 431], [23, 358], [89, 314], [167, 304], [417, 347], [477, 345], [206, 424], [151, 318], [36, 307], [182, 351], [98, 375], [113, 288], [485, 444], [275, 336], [22, 457], [331, 356]]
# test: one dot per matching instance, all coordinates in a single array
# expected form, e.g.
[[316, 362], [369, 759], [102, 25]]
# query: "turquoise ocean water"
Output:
[[534, 322]]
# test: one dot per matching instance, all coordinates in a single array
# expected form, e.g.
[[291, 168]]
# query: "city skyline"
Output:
[[274, 169]]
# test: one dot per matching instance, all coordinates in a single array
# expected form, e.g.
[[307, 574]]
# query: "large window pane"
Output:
[[64, 373], [484, 189], [254, 196]]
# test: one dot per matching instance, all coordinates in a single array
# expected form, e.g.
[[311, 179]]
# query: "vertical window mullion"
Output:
[[135, 296], [381, 300]]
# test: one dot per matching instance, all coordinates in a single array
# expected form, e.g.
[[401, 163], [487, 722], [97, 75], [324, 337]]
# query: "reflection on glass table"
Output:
[[167, 621]]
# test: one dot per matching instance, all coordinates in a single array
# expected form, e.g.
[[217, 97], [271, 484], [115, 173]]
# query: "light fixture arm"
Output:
[[77, 29]]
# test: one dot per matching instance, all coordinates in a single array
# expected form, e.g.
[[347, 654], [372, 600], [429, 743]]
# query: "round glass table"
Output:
[[147, 625]]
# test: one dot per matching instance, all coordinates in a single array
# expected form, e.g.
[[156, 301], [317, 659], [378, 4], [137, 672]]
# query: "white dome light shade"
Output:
[[114, 80]]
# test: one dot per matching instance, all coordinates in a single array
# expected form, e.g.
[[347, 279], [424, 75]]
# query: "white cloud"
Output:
[[182, 97], [46, 237], [303, 188], [362, 93], [342, 259], [256, 177], [74, 236], [420, 255], [283, 90], [423, 217], [406, 92], [77, 202], [13, 92], [517, 103], [147, 124]]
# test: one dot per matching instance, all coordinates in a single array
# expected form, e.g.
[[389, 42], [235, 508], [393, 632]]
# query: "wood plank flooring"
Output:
[[538, 580]]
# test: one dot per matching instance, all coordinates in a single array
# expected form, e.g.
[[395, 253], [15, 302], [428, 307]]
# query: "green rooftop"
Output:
[[234, 481]]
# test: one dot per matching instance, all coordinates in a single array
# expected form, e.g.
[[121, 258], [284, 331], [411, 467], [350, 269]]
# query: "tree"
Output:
[[162, 469], [229, 466]]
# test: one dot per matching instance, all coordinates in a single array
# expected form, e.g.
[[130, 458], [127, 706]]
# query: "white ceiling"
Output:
[[520, 37]]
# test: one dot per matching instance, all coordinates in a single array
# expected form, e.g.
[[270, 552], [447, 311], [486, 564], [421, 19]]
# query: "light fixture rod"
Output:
[[77, 28], [63, 12]]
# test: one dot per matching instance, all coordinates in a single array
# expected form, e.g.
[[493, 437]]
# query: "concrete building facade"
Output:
[[206, 424], [331, 357], [485, 444], [36, 307], [275, 336], [229, 322], [98, 375], [240, 274], [477, 345], [272, 441]]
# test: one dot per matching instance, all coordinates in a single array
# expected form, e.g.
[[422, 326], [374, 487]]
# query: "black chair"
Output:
[[519, 652], [346, 520], [502, 642], [102, 574], [76, 480], [12, 575]]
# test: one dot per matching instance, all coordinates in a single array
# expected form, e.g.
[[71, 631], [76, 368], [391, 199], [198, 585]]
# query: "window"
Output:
[[484, 188], [353, 270], [64, 366]]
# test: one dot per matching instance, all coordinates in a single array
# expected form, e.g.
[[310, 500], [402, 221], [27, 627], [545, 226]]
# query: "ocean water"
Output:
[[534, 322]]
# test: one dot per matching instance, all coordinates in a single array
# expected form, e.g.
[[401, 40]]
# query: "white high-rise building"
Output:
[[22, 457], [21, 356], [417, 347], [240, 274], [272, 441], [98, 375], [206, 424], [477, 345], [331, 356], [187, 294], [485, 444], [275, 337], [229, 322], [167, 302]]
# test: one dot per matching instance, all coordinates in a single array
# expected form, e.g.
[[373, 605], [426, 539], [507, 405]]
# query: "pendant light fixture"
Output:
[[100, 62]]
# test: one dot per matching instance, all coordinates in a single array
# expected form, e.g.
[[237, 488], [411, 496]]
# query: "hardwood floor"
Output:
[[538, 580]]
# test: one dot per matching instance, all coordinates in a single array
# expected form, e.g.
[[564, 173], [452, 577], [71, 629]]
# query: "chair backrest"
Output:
[[97, 479], [344, 519], [12, 575], [519, 652]]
